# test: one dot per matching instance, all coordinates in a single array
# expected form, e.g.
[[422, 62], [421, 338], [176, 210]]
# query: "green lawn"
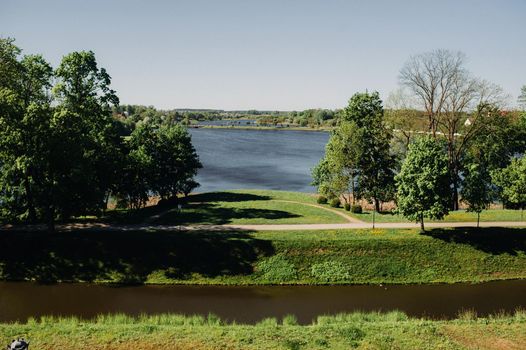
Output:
[[248, 207], [454, 216], [360, 331], [244, 257], [265, 207]]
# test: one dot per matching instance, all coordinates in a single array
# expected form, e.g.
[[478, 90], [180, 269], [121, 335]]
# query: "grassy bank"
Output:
[[249, 207], [274, 207], [244, 257], [454, 216], [361, 331]]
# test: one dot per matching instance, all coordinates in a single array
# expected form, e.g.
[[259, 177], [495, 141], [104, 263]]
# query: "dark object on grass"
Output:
[[335, 203], [357, 209], [347, 206], [322, 200], [19, 344]]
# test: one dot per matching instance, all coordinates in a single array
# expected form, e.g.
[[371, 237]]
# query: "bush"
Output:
[[347, 206], [277, 269], [335, 203], [322, 200], [330, 271], [357, 209]]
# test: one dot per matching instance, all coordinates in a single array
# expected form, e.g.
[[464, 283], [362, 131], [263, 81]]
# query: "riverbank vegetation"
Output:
[[393, 330], [467, 128], [241, 257], [62, 154]]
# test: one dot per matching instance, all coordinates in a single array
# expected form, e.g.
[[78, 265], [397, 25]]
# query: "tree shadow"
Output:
[[211, 214], [127, 257], [224, 197], [492, 240]]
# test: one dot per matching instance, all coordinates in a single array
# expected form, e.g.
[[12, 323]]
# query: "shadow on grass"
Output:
[[212, 214], [225, 197], [127, 257], [205, 201], [493, 240]]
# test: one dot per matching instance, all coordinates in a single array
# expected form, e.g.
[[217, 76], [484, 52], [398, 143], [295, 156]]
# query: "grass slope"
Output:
[[243, 257], [454, 216], [361, 331], [236, 207]]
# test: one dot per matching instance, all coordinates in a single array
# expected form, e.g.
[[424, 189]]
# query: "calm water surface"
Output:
[[18, 301], [257, 159]]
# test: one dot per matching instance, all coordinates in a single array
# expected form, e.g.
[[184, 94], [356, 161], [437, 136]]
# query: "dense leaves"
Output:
[[62, 153], [423, 183]]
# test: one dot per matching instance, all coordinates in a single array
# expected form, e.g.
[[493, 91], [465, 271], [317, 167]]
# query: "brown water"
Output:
[[19, 301]]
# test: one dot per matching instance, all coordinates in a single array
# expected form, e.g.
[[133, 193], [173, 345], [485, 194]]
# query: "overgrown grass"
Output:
[[243, 257], [358, 330]]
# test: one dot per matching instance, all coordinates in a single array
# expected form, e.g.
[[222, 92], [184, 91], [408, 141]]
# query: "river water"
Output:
[[249, 304], [257, 159]]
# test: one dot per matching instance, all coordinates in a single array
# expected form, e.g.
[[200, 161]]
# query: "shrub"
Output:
[[335, 202], [322, 200], [357, 209], [277, 269], [347, 206], [330, 271]]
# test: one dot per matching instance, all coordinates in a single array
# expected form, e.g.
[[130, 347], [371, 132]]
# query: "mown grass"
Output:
[[454, 216], [243, 257], [234, 207], [346, 331]]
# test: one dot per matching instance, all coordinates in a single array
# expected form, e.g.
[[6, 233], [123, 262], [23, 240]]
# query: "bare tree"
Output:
[[430, 77], [454, 102]]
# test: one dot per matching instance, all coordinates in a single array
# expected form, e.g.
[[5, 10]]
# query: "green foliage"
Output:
[[512, 182], [335, 203], [357, 209], [477, 190], [423, 181], [277, 269], [321, 200], [347, 206], [357, 157], [330, 271]]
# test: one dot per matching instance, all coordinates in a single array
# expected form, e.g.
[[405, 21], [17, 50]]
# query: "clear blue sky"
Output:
[[269, 54]]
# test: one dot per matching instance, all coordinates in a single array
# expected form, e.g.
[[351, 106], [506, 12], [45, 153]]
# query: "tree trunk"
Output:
[[376, 205], [422, 228], [478, 219]]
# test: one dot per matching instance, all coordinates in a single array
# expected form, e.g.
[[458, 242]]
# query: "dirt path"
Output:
[[337, 212]]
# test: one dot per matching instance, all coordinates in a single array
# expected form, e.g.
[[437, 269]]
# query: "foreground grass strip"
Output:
[[244, 257], [361, 331]]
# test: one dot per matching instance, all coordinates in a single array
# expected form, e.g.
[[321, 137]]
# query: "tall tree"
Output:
[[376, 165], [454, 101], [336, 174], [423, 181]]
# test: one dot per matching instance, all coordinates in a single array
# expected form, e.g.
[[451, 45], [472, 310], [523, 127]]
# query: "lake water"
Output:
[[257, 159], [250, 304]]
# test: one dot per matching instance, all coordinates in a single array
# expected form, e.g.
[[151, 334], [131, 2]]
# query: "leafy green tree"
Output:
[[376, 165], [24, 129], [512, 183], [161, 160], [337, 172], [423, 181], [477, 191]]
